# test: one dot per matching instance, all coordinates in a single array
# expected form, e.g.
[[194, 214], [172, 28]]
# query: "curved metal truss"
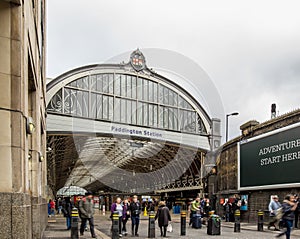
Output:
[[125, 94], [117, 163]]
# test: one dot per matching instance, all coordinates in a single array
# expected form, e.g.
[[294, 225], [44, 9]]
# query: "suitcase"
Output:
[[196, 221], [214, 225]]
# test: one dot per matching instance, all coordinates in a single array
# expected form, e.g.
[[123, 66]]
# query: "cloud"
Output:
[[250, 49]]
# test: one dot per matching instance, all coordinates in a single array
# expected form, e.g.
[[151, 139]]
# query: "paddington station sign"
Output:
[[271, 160]]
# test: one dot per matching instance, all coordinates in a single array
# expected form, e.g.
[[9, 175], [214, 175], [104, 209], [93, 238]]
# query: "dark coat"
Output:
[[135, 209], [288, 214], [67, 207], [86, 207], [163, 216]]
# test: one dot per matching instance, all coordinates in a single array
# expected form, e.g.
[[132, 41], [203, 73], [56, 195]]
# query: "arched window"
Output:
[[127, 99]]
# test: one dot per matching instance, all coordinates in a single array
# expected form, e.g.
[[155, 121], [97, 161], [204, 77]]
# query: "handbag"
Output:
[[279, 213], [169, 228]]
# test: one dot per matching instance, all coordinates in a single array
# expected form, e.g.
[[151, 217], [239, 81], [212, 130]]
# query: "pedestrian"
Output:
[[207, 208], [228, 210], [288, 206], [164, 217], [135, 210], [126, 215], [236, 204], [86, 207], [274, 205], [49, 208], [117, 206], [52, 207], [150, 207], [59, 205], [297, 211], [195, 207], [67, 211]]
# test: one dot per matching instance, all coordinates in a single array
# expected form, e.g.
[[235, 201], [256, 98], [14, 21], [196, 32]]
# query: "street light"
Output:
[[234, 113]]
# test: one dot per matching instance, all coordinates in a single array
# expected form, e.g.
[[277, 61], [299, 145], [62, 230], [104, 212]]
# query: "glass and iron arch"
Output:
[[116, 93]]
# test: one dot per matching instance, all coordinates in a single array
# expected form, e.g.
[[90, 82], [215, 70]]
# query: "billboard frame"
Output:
[[272, 186]]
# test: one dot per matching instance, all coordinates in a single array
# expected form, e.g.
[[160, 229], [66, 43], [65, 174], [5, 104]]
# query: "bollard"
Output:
[[115, 225], [260, 220], [237, 220], [151, 227], [183, 224], [74, 223]]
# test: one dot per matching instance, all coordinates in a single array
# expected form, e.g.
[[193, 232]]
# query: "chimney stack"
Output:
[[273, 111]]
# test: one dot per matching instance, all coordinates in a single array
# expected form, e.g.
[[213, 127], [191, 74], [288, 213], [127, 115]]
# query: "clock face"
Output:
[[137, 60]]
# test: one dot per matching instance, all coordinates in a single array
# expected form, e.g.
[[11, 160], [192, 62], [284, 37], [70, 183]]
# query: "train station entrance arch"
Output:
[[125, 128]]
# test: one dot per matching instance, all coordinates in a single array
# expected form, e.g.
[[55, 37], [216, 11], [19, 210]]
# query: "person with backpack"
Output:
[[288, 206]]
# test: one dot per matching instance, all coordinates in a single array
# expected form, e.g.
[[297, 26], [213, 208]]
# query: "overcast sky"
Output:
[[249, 49]]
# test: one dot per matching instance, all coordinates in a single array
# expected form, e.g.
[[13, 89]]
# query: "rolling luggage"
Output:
[[196, 221]]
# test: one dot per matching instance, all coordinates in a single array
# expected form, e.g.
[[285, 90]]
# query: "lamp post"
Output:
[[234, 113]]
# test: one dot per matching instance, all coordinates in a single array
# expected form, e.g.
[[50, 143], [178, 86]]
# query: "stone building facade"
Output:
[[226, 180], [23, 171]]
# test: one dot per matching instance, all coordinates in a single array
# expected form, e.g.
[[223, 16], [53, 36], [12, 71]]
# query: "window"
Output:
[[123, 111], [145, 90], [139, 89], [128, 111], [128, 87], [140, 113], [117, 110], [127, 99], [118, 85]]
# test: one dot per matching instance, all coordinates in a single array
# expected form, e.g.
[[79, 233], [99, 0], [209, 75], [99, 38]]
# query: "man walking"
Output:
[[86, 208], [195, 206], [135, 210], [273, 207]]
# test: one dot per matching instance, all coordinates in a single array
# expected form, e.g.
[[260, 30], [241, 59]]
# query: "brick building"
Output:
[[225, 182]]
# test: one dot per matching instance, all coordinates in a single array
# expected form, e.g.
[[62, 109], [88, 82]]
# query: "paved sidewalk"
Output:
[[57, 230]]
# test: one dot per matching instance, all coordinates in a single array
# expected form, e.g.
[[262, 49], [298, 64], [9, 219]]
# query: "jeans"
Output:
[[135, 220], [68, 221], [83, 223], [227, 217], [135, 224], [288, 224]]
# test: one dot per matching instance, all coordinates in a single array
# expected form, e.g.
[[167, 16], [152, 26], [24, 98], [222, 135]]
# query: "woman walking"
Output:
[[117, 206], [164, 217], [125, 216]]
